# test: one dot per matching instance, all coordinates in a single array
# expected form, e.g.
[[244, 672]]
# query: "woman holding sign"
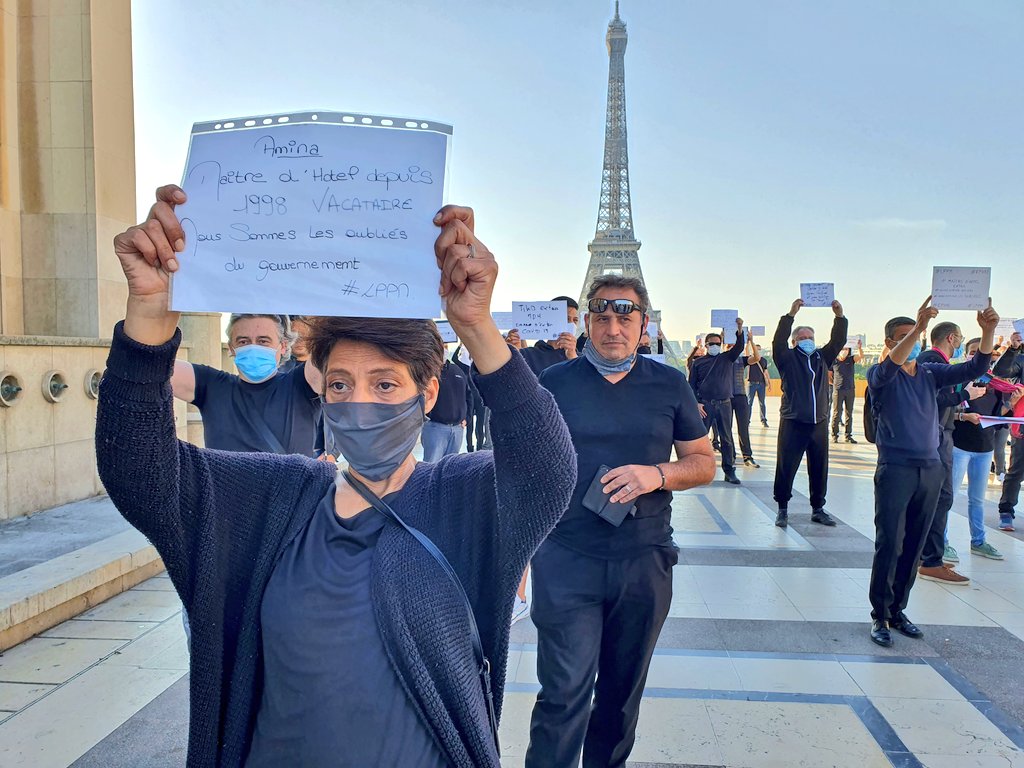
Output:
[[350, 620]]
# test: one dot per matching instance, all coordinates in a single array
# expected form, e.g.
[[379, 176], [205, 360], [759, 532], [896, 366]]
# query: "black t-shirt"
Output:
[[287, 404], [843, 379], [450, 407], [755, 373], [330, 694], [635, 421], [542, 356]]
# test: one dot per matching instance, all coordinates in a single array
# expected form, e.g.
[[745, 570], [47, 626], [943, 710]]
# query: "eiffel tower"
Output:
[[615, 249]]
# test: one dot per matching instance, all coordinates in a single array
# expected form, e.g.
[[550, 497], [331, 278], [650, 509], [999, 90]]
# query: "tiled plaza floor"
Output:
[[764, 661]]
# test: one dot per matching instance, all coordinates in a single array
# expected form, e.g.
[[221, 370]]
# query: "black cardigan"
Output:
[[220, 521]]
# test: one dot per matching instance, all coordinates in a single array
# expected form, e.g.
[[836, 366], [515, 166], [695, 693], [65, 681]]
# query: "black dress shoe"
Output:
[[880, 634], [851, 441], [822, 517], [835, 439], [782, 519], [905, 626], [730, 477]]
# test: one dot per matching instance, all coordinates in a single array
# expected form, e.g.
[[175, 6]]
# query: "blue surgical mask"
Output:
[[958, 352], [914, 352], [807, 346], [256, 363], [374, 438], [715, 349], [603, 365]]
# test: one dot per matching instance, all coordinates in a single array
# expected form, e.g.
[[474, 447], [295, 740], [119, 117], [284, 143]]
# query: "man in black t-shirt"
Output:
[[446, 422], [602, 591], [844, 390], [261, 409], [759, 381]]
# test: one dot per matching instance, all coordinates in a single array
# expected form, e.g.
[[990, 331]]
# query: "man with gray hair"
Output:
[[803, 429], [602, 581], [261, 409]]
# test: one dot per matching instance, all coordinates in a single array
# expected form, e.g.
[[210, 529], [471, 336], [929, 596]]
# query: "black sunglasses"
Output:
[[619, 306]]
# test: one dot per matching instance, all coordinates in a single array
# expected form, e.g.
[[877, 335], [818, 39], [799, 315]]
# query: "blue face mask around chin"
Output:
[[914, 352], [958, 352], [807, 346], [256, 363]]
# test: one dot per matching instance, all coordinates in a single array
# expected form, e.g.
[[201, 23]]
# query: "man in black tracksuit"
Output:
[[803, 369], [711, 381]]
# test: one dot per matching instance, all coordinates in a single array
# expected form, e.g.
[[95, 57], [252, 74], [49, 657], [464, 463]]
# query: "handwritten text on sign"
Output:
[[724, 318], [539, 319], [312, 217], [818, 294], [961, 287]]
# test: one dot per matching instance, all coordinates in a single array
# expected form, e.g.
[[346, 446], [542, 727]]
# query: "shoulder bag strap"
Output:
[[257, 421], [483, 663]]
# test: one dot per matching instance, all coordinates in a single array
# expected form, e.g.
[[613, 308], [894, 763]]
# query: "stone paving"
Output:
[[764, 661]]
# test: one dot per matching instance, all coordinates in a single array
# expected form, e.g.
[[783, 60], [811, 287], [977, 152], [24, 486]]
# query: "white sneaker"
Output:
[[1001, 476], [520, 610]]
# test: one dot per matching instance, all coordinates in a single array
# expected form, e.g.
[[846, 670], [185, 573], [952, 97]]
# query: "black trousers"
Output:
[[905, 499], [935, 539], [842, 399], [797, 438], [1014, 474], [741, 407], [478, 426], [719, 417], [594, 618]]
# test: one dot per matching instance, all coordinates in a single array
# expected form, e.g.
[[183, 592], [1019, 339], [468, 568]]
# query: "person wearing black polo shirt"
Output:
[[602, 585], [803, 428], [261, 409], [711, 378], [844, 390], [544, 354], [909, 474], [760, 383], [446, 423]]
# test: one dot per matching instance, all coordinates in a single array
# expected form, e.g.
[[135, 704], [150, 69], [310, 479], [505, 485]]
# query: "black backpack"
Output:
[[870, 417]]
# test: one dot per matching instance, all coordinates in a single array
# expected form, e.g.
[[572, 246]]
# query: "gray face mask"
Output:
[[605, 366], [374, 438]]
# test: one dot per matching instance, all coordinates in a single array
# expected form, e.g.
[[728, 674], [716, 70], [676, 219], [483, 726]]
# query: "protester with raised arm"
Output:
[[909, 474], [307, 601], [803, 427]]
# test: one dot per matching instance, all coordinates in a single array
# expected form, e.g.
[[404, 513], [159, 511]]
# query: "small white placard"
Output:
[[539, 320], [313, 213], [447, 332], [657, 358], [1006, 326], [724, 319], [757, 330], [961, 287], [818, 294], [1018, 325], [503, 320], [652, 330]]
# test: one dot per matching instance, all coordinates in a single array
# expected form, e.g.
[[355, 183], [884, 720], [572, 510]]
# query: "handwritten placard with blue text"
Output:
[[318, 213], [961, 287]]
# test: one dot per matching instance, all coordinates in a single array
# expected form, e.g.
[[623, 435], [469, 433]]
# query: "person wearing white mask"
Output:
[[803, 428], [263, 408], [354, 619]]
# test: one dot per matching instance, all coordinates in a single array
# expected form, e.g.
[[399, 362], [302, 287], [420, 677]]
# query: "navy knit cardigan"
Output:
[[220, 521]]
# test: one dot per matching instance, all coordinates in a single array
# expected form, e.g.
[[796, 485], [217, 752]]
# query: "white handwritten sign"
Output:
[[319, 213], [447, 332], [854, 341], [757, 330], [818, 294], [503, 320], [656, 358], [961, 287], [1018, 325], [724, 318], [539, 319], [1005, 327], [652, 330]]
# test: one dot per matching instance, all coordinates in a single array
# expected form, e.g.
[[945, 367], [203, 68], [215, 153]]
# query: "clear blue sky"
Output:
[[770, 143]]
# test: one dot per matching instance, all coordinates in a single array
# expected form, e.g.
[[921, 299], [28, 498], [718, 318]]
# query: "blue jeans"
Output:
[[757, 390], [439, 440], [975, 466]]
